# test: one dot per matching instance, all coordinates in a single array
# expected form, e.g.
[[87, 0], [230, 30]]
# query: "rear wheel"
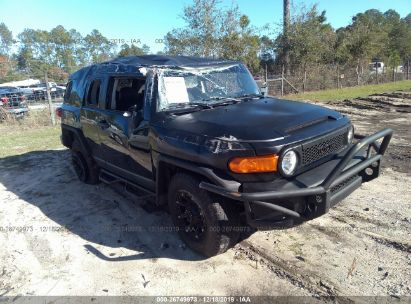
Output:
[[84, 166], [203, 221]]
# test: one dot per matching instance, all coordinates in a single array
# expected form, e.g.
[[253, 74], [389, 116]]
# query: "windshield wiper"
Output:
[[250, 96], [189, 106], [224, 101], [200, 105], [215, 101]]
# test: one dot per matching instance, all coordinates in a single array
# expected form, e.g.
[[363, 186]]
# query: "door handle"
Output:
[[103, 124]]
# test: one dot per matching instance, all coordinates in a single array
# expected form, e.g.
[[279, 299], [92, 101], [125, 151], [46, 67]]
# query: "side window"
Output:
[[71, 95], [93, 93], [125, 94]]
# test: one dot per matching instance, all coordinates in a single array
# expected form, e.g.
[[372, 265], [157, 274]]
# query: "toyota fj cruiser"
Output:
[[198, 136]]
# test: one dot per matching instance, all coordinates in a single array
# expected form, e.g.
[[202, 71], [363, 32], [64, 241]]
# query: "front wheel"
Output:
[[204, 223]]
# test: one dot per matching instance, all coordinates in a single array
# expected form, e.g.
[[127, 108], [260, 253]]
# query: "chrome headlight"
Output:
[[350, 135], [289, 162]]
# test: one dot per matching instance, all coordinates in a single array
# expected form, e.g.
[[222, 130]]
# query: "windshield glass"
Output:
[[187, 87]]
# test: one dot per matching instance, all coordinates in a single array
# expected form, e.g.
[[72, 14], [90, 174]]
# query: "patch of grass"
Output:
[[351, 92], [33, 119], [32, 133], [14, 141]]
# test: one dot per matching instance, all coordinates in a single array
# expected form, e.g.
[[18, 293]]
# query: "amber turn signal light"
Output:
[[254, 164]]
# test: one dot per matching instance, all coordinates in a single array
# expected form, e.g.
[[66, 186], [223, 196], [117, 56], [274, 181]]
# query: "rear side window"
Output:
[[68, 93], [71, 95], [93, 93]]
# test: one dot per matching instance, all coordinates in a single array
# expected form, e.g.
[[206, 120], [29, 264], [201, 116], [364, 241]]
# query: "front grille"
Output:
[[326, 146], [343, 184]]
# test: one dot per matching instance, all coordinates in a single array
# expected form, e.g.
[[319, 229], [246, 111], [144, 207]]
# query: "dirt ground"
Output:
[[61, 237]]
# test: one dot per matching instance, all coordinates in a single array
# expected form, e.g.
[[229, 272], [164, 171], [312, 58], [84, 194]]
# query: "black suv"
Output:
[[198, 136]]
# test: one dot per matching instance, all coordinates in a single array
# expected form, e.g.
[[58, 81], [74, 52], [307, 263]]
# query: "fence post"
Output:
[[338, 76], [52, 114], [408, 69], [282, 82], [376, 72], [305, 78]]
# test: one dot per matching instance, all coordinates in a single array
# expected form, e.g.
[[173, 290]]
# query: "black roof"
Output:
[[163, 60], [132, 64]]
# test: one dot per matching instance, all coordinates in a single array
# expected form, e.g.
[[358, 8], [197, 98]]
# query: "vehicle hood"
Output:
[[266, 119]]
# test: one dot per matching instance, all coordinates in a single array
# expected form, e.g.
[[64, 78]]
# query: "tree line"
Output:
[[59, 51], [212, 30]]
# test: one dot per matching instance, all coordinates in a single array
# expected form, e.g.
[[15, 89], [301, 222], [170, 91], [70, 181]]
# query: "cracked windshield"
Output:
[[209, 86]]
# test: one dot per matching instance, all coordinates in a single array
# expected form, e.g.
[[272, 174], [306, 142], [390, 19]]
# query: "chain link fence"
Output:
[[322, 77], [17, 102]]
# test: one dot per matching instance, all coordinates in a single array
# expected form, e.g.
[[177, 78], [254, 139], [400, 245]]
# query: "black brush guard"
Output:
[[339, 183]]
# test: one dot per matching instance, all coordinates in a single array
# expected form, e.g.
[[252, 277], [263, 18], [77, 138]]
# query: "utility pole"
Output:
[[286, 28], [52, 114]]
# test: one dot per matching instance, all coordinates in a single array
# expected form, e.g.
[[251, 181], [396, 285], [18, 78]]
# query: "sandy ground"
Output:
[[61, 237]]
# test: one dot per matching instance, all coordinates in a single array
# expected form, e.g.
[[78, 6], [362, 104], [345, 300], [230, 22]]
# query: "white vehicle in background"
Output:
[[376, 66], [20, 83], [380, 67], [399, 69]]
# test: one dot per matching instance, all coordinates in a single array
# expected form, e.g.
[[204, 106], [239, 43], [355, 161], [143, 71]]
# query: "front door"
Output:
[[124, 142]]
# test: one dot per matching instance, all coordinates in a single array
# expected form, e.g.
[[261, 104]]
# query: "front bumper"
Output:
[[312, 193]]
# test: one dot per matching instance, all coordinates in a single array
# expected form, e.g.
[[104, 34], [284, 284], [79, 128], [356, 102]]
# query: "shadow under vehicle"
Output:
[[102, 216]]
